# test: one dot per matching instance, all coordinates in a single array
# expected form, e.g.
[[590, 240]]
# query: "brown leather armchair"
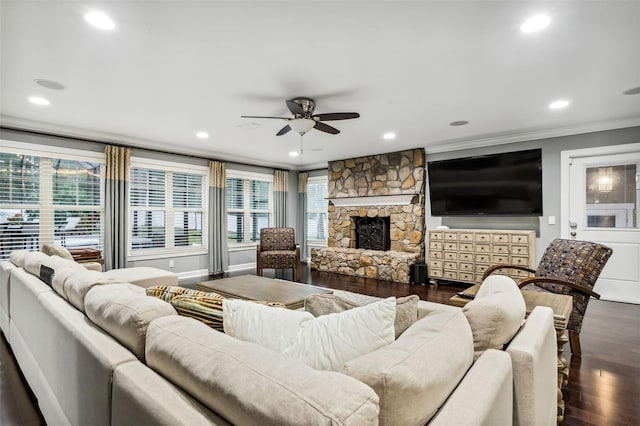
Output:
[[278, 250], [567, 267]]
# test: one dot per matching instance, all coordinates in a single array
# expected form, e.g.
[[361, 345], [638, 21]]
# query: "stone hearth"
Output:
[[380, 177]]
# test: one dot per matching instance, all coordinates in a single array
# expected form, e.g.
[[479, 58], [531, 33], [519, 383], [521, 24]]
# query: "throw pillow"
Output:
[[496, 313], [168, 292], [52, 250], [324, 343], [323, 304]]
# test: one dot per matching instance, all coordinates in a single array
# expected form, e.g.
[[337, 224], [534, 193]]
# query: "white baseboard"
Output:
[[241, 267], [192, 274]]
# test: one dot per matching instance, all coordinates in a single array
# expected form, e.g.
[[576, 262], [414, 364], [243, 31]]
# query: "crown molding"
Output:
[[132, 142], [481, 142]]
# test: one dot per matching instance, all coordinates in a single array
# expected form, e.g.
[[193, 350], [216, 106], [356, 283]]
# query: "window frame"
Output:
[[169, 250], [247, 177], [314, 180], [45, 204]]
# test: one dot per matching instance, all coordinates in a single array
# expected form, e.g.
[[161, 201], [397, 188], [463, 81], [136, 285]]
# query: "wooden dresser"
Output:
[[464, 254]]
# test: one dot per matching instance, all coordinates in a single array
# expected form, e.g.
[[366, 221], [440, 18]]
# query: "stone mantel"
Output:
[[374, 200]]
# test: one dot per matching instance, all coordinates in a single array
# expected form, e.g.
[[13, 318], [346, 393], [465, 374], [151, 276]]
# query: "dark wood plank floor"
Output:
[[604, 384]]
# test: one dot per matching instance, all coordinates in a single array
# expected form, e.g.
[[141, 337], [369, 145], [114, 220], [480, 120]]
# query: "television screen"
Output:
[[499, 184]]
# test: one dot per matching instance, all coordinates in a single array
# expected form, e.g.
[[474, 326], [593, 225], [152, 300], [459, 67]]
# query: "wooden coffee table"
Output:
[[252, 287]]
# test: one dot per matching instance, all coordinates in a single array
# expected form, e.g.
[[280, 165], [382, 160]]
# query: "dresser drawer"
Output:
[[480, 268], [465, 236], [436, 235], [483, 258], [466, 257], [465, 276], [483, 238], [500, 238], [449, 245], [450, 275], [434, 254], [450, 255], [519, 260], [500, 258], [466, 246], [435, 245], [435, 273], [519, 274], [450, 265], [466, 267], [519, 250], [501, 248], [519, 239], [483, 248], [451, 236], [435, 264]]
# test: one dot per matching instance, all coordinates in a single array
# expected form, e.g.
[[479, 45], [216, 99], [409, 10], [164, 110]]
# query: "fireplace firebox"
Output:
[[373, 233]]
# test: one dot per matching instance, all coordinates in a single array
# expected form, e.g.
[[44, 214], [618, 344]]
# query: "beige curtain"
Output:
[[303, 177], [116, 206], [280, 189], [218, 252]]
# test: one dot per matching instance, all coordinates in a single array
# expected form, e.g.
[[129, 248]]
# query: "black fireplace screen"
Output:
[[372, 233]]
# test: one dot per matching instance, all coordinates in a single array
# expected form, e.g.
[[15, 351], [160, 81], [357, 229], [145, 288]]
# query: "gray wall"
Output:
[[551, 149]]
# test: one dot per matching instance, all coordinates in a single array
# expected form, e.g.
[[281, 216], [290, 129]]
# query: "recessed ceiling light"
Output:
[[39, 100], [293, 154], [49, 84], [459, 123], [535, 23], [633, 91], [100, 20], [559, 104], [202, 135], [389, 136]]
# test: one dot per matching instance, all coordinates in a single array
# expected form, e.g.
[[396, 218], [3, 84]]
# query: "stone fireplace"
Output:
[[381, 194]]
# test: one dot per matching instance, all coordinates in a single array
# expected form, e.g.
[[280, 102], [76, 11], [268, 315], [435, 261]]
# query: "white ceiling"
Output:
[[171, 68]]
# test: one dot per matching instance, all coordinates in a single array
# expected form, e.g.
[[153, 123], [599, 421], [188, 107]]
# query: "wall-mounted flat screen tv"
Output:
[[508, 183]]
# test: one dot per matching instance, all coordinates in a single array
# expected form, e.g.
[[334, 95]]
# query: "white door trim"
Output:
[[565, 158]]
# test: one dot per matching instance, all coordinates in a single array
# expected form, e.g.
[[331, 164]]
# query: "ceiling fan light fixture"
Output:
[[302, 125]]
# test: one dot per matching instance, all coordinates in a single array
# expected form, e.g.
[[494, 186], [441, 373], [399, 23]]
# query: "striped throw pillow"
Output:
[[167, 292]]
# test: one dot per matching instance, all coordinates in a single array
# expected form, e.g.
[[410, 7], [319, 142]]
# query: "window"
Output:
[[167, 207], [317, 223], [50, 195], [248, 206]]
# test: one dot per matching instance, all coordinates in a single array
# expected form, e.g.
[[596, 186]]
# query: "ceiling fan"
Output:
[[304, 120]]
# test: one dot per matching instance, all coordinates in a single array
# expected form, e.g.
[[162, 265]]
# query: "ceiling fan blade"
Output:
[[326, 128], [336, 116], [295, 108], [261, 116], [284, 130]]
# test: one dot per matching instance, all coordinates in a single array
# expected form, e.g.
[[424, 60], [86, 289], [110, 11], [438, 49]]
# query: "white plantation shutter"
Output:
[[54, 199], [317, 221], [249, 206], [167, 207]]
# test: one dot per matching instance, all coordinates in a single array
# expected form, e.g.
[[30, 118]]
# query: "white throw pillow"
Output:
[[324, 343]]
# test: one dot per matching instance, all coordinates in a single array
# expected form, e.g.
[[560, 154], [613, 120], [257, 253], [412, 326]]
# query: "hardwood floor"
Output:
[[603, 388]]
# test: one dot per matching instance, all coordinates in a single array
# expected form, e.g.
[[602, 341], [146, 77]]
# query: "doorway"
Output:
[[600, 200]]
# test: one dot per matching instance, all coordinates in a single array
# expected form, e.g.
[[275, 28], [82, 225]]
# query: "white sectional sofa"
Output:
[[145, 365]]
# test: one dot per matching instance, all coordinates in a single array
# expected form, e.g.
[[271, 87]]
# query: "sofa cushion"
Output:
[[125, 311], [17, 257], [51, 249], [32, 262], [79, 282], [168, 292], [323, 304], [249, 384], [496, 313], [143, 276], [325, 342], [414, 375]]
